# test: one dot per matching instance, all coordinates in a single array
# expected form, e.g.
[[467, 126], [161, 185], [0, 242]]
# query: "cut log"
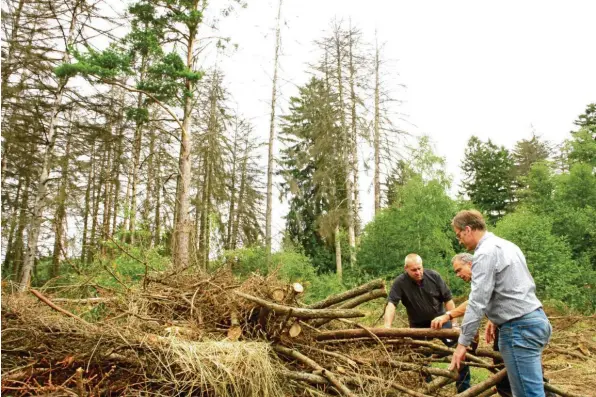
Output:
[[485, 385], [315, 366], [295, 330], [341, 297], [390, 333], [278, 295], [302, 312], [235, 331]]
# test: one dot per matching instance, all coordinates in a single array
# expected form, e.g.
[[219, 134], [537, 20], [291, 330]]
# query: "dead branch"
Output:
[[302, 312], [389, 333], [57, 308], [315, 366], [337, 298], [485, 385], [374, 294]]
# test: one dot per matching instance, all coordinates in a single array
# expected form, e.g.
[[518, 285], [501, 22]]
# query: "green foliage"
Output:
[[289, 265], [489, 178], [167, 79], [549, 259], [106, 64], [419, 222]]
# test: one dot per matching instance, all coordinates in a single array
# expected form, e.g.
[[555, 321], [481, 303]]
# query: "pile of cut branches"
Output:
[[211, 335]]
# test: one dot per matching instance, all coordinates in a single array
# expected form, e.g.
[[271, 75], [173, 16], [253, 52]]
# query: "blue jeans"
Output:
[[521, 342]]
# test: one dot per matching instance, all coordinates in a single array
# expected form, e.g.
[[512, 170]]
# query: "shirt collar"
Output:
[[486, 236]]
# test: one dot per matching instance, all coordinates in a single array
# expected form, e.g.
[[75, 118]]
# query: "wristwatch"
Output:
[[448, 313]]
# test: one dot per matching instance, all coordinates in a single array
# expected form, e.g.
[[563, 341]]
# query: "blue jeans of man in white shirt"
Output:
[[521, 342]]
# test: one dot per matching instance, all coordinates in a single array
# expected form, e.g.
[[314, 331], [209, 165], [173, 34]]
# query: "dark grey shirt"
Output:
[[423, 302], [502, 286]]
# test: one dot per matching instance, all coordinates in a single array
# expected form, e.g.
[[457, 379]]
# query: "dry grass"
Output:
[[222, 368]]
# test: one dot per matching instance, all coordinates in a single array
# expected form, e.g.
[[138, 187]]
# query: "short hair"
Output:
[[413, 258], [465, 257], [470, 218]]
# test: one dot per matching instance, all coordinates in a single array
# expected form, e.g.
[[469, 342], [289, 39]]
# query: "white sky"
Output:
[[491, 69]]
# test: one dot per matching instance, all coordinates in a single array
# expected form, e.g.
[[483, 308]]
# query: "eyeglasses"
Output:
[[459, 234]]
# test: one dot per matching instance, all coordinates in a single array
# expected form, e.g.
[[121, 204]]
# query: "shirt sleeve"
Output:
[[395, 293], [483, 284], [460, 310]]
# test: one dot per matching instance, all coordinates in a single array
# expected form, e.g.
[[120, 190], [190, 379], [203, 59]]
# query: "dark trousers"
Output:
[[463, 380]]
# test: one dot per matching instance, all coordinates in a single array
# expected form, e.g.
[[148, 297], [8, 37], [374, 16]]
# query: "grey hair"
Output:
[[463, 257]]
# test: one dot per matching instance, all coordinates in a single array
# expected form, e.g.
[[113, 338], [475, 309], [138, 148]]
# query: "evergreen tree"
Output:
[[489, 178]]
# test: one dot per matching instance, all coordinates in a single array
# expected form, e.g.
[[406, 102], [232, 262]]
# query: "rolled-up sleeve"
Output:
[[483, 284]]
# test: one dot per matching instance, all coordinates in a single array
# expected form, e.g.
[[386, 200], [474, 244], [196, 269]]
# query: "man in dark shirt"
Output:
[[423, 293]]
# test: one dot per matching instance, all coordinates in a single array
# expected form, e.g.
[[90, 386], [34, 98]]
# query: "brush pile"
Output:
[[211, 335]]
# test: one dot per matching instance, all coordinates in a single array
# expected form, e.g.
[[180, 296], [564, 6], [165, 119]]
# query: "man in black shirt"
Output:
[[423, 293]]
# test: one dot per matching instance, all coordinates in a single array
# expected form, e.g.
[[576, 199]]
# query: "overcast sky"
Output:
[[496, 70]]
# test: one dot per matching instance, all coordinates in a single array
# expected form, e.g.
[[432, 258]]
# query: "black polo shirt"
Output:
[[423, 302]]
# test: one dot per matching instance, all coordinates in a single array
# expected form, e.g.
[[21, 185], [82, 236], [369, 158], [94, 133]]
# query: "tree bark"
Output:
[[90, 179], [269, 208], [183, 226], [302, 312], [60, 218], [482, 386], [377, 136], [344, 296], [389, 333]]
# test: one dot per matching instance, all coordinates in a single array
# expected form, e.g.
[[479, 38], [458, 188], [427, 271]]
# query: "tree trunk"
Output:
[[60, 218], [157, 230], [182, 227], [338, 265], [269, 209], [346, 151], [8, 257], [132, 224], [240, 209], [117, 162], [150, 179], [107, 195], [232, 188], [377, 138], [90, 179], [40, 197], [19, 245], [98, 181], [353, 141]]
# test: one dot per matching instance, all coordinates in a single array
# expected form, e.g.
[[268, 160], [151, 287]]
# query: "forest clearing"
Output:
[[213, 198]]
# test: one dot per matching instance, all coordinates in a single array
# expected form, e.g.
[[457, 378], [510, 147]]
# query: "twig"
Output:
[[57, 308]]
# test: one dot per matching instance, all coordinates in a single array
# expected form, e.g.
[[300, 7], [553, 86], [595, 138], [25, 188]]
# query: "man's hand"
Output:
[[438, 322], [458, 357], [489, 332]]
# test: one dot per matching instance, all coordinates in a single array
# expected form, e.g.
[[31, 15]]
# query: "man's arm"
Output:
[[459, 311], [449, 305], [483, 284], [389, 315]]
